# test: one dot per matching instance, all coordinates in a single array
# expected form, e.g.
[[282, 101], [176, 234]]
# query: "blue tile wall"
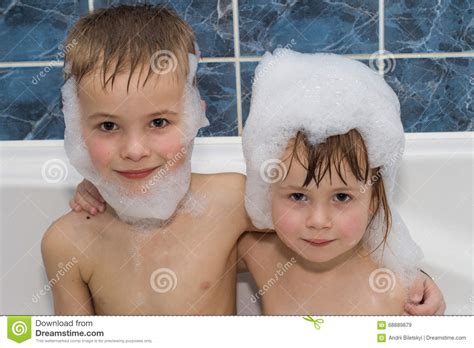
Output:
[[30, 104], [315, 26], [211, 21], [435, 94], [246, 72], [429, 26], [432, 43], [33, 30], [216, 83]]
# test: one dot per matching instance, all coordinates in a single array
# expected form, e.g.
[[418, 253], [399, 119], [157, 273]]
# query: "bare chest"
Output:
[[183, 269]]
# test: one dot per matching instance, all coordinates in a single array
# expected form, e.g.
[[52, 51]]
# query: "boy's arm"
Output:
[[425, 297], [237, 190], [61, 259]]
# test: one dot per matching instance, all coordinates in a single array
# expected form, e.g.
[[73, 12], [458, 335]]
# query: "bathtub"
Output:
[[435, 198]]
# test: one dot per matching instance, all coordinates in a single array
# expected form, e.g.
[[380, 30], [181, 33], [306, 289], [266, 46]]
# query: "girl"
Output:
[[322, 144]]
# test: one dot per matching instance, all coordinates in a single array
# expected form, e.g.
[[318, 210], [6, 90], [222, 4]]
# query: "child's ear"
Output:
[[203, 105]]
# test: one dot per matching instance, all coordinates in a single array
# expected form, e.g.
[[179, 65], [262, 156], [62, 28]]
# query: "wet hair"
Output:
[[127, 38], [336, 151]]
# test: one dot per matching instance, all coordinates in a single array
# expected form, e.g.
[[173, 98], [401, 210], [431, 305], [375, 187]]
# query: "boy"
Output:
[[188, 265], [128, 127]]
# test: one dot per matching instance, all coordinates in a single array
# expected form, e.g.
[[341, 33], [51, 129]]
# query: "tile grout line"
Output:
[[32, 64], [467, 54], [381, 25], [381, 36], [238, 91]]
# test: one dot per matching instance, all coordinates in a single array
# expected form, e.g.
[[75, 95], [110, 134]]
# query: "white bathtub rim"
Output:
[[238, 139], [22, 161]]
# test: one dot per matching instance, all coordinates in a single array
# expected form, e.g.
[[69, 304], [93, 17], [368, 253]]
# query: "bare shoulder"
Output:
[[68, 238], [226, 193], [69, 231], [385, 294], [228, 189], [395, 298], [224, 184], [67, 263], [388, 302]]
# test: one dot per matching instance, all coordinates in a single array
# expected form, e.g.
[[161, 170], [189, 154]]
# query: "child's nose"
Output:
[[135, 148], [319, 218]]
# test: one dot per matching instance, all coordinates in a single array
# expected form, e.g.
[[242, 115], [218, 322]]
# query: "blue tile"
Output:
[[30, 107], [429, 26], [51, 126], [247, 72], [211, 21], [435, 94], [216, 82], [34, 30], [30, 104], [308, 26]]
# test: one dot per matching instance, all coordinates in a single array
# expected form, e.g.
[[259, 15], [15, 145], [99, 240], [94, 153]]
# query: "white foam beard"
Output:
[[158, 198]]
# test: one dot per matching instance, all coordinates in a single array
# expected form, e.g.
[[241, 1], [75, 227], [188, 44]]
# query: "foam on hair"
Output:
[[325, 95]]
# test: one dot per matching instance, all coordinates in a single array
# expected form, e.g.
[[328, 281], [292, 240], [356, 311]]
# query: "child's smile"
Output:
[[130, 141]]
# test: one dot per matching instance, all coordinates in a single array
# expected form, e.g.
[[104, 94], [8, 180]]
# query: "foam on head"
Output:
[[325, 95], [159, 201]]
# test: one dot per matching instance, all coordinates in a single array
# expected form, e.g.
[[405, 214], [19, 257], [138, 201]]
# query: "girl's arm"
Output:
[[87, 198]]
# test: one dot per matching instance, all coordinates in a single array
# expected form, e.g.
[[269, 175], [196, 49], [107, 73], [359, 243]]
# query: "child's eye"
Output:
[[108, 126], [159, 123], [342, 197], [298, 197]]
